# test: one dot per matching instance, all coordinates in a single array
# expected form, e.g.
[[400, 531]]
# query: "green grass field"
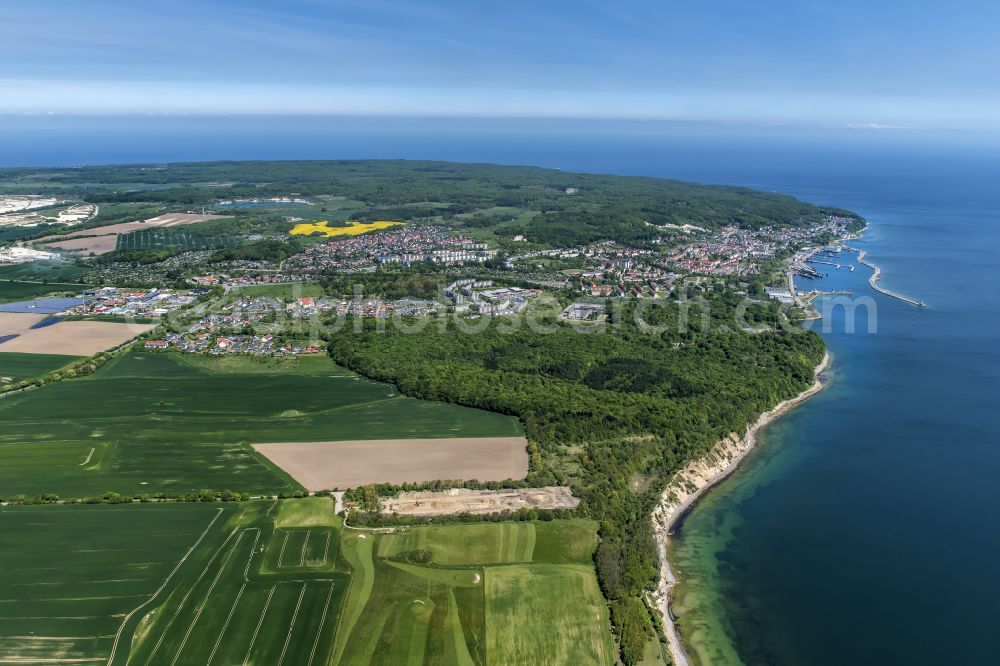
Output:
[[116, 319], [159, 422], [283, 583], [487, 543], [306, 512], [12, 291], [70, 576], [285, 291], [254, 594], [15, 366], [554, 542], [54, 271], [268, 595], [545, 614], [450, 594]]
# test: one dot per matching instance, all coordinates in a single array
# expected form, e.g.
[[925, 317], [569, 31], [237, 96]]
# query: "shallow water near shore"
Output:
[[864, 529]]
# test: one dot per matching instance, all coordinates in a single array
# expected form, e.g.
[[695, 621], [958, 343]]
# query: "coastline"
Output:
[[691, 483]]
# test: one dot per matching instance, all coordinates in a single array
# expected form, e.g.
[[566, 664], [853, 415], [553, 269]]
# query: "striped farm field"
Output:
[[72, 577], [160, 238], [252, 598], [284, 583]]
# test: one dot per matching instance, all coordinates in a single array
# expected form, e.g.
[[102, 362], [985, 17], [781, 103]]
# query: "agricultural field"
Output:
[[101, 240], [12, 291], [264, 591], [83, 337], [484, 543], [284, 582], [520, 598], [352, 228], [15, 367], [348, 464], [152, 422], [14, 324], [37, 271], [172, 239], [73, 577], [473, 594]]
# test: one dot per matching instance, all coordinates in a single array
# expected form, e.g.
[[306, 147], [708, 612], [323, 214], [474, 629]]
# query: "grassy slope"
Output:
[[171, 423]]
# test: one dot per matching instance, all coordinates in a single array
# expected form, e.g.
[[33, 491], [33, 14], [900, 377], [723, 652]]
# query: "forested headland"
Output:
[[547, 207]]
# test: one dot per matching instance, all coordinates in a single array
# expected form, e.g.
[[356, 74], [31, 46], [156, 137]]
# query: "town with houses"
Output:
[[404, 246], [219, 319]]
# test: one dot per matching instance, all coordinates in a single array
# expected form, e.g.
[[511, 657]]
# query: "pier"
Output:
[[833, 263], [873, 281], [810, 295]]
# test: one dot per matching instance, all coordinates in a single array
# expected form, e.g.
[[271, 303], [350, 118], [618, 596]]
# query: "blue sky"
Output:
[[867, 64]]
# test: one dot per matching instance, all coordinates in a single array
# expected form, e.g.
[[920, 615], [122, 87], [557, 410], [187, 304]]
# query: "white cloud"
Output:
[[792, 108], [876, 126]]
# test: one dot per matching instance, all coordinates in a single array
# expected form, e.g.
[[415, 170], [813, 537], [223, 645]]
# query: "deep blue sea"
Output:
[[866, 528]]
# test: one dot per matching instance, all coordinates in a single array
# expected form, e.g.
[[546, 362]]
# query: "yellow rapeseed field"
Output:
[[355, 228]]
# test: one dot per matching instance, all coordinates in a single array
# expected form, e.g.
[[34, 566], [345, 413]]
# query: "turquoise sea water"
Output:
[[864, 530]]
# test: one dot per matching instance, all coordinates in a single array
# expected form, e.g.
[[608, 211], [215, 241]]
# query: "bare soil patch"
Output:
[[97, 244], [348, 464], [462, 500], [72, 338], [17, 323]]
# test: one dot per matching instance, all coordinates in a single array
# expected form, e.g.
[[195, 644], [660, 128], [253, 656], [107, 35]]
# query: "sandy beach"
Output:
[[691, 483]]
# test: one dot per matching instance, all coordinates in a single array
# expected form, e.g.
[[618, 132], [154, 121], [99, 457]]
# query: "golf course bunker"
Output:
[[348, 464]]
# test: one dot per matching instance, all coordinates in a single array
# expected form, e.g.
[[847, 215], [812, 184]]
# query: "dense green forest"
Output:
[[567, 208], [423, 281], [612, 413]]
